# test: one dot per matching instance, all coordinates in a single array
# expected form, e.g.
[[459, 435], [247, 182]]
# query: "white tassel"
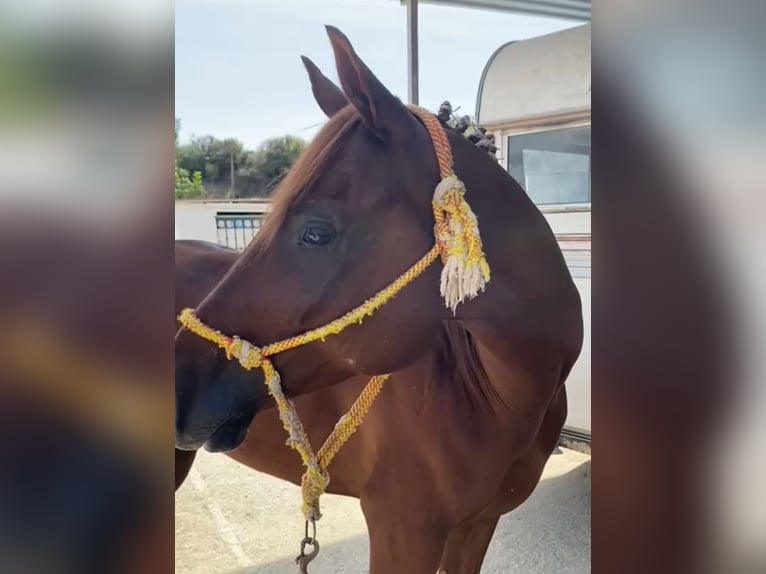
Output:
[[461, 279], [460, 282]]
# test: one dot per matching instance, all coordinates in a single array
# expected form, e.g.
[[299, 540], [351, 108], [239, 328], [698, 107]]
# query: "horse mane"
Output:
[[303, 175]]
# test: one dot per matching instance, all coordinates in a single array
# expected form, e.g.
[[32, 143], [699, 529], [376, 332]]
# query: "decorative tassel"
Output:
[[466, 271]]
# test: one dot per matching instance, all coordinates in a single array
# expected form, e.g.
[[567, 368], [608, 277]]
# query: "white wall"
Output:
[[196, 219]]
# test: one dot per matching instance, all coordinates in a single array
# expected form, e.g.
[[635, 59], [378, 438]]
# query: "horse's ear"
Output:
[[381, 111], [329, 97]]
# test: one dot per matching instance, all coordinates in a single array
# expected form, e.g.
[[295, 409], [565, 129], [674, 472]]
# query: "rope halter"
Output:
[[464, 275]]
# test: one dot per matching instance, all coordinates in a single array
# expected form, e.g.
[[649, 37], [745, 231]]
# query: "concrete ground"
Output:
[[233, 520]]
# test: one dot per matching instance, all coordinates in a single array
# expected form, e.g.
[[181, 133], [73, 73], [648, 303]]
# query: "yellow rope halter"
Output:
[[465, 274]]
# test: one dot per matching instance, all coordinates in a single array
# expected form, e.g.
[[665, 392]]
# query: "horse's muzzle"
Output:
[[216, 401]]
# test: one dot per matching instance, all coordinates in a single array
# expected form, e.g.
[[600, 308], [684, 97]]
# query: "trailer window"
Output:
[[553, 166]]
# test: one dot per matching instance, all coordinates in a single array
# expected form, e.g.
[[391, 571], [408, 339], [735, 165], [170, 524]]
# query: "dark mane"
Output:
[[304, 174]]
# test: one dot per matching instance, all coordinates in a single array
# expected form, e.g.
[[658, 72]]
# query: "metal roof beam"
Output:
[[579, 10]]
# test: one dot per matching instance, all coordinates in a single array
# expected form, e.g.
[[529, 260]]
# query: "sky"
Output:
[[239, 74]]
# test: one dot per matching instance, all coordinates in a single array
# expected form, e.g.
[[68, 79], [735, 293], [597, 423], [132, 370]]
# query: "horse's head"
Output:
[[351, 216]]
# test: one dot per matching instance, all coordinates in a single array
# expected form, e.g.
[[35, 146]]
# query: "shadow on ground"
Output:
[[550, 532]]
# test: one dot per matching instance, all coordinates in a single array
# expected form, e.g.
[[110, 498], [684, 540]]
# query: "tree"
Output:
[[227, 169], [272, 161], [218, 160], [234, 149], [186, 187]]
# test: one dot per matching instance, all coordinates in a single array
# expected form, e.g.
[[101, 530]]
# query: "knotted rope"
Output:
[[464, 276], [466, 271]]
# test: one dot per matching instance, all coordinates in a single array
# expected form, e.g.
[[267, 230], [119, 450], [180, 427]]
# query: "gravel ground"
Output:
[[233, 520]]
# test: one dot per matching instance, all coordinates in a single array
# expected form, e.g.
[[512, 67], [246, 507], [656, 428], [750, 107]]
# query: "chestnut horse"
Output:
[[198, 267], [475, 403]]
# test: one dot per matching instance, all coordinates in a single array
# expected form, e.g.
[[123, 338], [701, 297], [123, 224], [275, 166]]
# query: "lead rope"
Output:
[[464, 276]]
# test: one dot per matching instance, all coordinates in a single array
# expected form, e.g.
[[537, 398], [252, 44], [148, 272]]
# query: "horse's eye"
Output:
[[318, 235]]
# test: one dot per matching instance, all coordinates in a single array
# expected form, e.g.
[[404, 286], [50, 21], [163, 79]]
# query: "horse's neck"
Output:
[[524, 327], [528, 272]]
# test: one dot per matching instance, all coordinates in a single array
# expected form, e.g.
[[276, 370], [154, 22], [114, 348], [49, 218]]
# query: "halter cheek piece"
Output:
[[464, 276]]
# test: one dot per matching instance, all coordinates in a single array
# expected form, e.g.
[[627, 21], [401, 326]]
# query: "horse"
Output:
[[199, 265], [476, 400]]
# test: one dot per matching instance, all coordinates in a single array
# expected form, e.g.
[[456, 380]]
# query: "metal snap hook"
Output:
[[303, 559]]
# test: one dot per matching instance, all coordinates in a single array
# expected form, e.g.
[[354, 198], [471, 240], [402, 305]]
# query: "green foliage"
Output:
[[210, 155], [272, 161], [211, 171], [186, 187], [255, 173]]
